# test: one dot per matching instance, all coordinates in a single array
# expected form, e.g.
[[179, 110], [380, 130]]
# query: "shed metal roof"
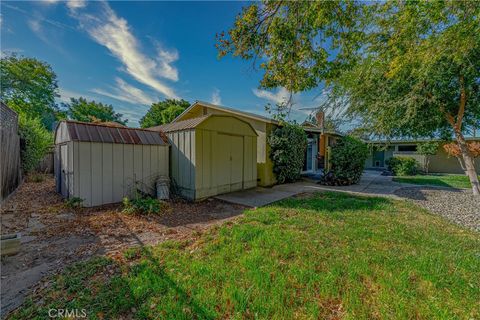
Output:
[[97, 132], [180, 125]]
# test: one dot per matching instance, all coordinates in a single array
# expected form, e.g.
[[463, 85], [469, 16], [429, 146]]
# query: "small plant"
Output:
[[402, 166], [36, 177], [143, 205], [427, 149], [74, 202]]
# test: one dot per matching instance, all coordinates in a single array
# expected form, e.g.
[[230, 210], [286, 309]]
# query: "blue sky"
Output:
[[130, 54]]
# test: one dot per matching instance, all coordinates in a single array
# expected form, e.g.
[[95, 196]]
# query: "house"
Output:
[[383, 150], [210, 155], [319, 141], [101, 163]]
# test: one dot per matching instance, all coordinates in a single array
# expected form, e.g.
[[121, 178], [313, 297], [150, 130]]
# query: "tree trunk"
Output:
[[469, 163]]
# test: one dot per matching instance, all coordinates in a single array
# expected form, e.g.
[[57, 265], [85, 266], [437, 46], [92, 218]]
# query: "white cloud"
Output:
[[76, 4], [126, 92], [34, 25], [114, 33], [216, 99], [279, 97]]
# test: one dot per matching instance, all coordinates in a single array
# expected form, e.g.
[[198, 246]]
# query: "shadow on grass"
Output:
[[156, 282], [334, 201]]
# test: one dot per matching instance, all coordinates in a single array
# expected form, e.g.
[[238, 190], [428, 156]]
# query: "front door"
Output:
[[309, 154]]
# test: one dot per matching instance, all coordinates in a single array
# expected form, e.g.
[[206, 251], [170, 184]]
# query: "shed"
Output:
[[101, 163], [211, 155]]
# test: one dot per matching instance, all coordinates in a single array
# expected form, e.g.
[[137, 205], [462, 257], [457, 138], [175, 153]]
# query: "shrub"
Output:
[[74, 202], [143, 205], [402, 166], [288, 144], [36, 141], [347, 162]]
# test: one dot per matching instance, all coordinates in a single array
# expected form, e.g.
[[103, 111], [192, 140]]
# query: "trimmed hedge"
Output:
[[402, 166], [347, 162], [288, 144]]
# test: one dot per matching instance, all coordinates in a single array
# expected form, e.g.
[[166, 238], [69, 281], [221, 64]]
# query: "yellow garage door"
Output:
[[229, 171]]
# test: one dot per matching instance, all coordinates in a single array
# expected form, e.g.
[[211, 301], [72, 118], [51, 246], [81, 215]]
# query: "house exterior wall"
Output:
[[102, 173], [265, 174], [439, 163]]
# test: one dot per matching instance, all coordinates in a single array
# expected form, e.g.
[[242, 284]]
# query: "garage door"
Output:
[[229, 171]]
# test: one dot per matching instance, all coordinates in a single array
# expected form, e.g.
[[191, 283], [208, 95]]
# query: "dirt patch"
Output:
[[54, 236]]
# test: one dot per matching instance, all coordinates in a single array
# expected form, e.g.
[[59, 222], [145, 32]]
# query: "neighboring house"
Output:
[[316, 157], [439, 163]]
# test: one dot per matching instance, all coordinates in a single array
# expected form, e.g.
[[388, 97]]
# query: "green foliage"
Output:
[[428, 148], [296, 36], [36, 141], [347, 162], [73, 202], [402, 166], [287, 151], [90, 111], [29, 86], [143, 205], [163, 112], [417, 91]]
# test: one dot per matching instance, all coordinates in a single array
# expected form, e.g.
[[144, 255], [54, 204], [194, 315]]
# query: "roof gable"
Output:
[[199, 104]]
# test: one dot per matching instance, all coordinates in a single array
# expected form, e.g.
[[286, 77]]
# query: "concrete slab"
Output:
[[258, 197], [372, 183]]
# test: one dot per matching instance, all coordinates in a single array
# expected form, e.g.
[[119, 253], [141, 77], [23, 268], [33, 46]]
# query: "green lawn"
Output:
[[330, 256], [444, 180]]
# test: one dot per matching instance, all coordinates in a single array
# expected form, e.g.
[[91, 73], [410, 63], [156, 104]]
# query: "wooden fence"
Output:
[[10, 171]]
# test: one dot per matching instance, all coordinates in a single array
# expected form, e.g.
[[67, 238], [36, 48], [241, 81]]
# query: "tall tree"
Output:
[[405, 68], [29, 86], [90, 111], [163, 112]]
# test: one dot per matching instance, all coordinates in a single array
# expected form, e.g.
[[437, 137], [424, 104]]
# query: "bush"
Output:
[[402, 166], [347, 162], [143, 205], [288, 144], [37, 141]]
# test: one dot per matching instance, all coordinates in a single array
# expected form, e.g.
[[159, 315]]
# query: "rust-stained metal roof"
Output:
[[180, 125], [97, 132]]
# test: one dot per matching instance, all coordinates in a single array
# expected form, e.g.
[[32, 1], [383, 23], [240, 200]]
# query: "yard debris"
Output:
[[58, 235]]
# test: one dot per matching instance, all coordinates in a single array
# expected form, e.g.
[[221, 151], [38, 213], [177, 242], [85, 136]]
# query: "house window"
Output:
[[407, 148]]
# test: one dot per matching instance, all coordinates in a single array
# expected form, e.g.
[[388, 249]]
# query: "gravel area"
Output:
[[459, 206]]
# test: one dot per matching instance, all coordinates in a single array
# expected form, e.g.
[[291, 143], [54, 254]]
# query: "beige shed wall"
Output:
[[264, 169], [182, 169], [105, 172]]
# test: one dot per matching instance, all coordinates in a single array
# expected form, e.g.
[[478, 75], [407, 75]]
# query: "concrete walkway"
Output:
[[372, 183]]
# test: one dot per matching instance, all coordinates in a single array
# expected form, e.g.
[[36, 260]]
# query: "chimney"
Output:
[[320, 116]]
